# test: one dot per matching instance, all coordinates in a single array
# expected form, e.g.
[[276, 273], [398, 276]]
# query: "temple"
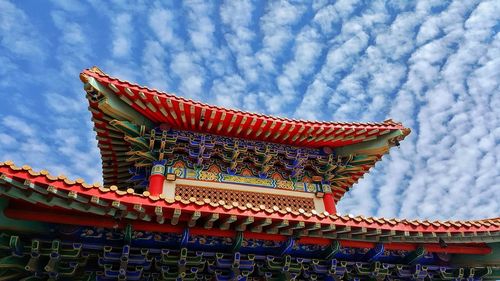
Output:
[[198, 192]]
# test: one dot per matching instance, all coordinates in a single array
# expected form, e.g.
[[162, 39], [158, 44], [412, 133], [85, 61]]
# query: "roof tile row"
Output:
[[493, 223]]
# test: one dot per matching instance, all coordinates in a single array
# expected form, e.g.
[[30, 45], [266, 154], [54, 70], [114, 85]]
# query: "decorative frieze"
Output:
[[244, 198], [252, 181]]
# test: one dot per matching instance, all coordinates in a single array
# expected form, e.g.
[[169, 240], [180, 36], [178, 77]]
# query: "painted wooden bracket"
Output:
[[330, 251], [237, 241], [127, 234], [414, 256]]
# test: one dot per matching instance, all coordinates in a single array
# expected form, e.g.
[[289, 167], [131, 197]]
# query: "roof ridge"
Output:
[[47, 174]]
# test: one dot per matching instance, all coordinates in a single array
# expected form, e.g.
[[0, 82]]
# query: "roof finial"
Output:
[[96, 70]]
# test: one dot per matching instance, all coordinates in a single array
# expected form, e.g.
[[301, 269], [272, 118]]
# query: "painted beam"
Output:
[[78, 219]]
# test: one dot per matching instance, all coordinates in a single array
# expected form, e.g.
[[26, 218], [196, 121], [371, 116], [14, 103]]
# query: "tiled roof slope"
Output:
[[186, 114]]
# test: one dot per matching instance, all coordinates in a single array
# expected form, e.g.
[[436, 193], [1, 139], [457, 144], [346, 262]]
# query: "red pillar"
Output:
[[156, 179], [329, 203]]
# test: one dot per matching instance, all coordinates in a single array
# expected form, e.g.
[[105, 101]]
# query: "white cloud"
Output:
[[239, 35], [123, 35], [65, 104], [17, 33], [228, 91], [163, 23], [201, 28], [71, 6], [438, 172], [312, 102], [7, 140], [329, 16], [191, 74], [18, 125], [276, 25], [238, 16], [72, 48], [308, 48], [154, 69]]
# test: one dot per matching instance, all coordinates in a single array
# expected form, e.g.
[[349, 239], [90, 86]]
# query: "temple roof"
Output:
[[42, 189], [127, 117], [186, 114]]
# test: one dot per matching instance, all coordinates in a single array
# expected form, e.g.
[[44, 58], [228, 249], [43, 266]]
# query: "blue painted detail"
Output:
[[138, 177], [374, 253], [160, 162], [273, 183], [416, 256], [157, 256], [197, 150], [185, 238], [286, 249]]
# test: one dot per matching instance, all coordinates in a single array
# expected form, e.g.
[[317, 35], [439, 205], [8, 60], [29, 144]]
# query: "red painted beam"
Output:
[[73, 219], [455, 249], [36, 215]]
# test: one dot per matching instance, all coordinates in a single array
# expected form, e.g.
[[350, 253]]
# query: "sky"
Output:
[[432, 65]]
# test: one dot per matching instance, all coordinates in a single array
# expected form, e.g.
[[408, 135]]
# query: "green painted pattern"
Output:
[[18, 225]]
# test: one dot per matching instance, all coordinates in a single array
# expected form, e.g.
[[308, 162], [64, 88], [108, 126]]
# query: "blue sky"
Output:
[[433, 65]]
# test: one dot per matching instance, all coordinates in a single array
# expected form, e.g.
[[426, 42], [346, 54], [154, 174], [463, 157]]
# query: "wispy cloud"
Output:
[[123, 32], [17, 125], [17, 33], [162, 22], [153, 66], [439, 171]]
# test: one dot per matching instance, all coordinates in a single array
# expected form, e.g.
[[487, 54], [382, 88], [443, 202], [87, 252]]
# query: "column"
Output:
[[328, 200], [156, 179], [329, 203]]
